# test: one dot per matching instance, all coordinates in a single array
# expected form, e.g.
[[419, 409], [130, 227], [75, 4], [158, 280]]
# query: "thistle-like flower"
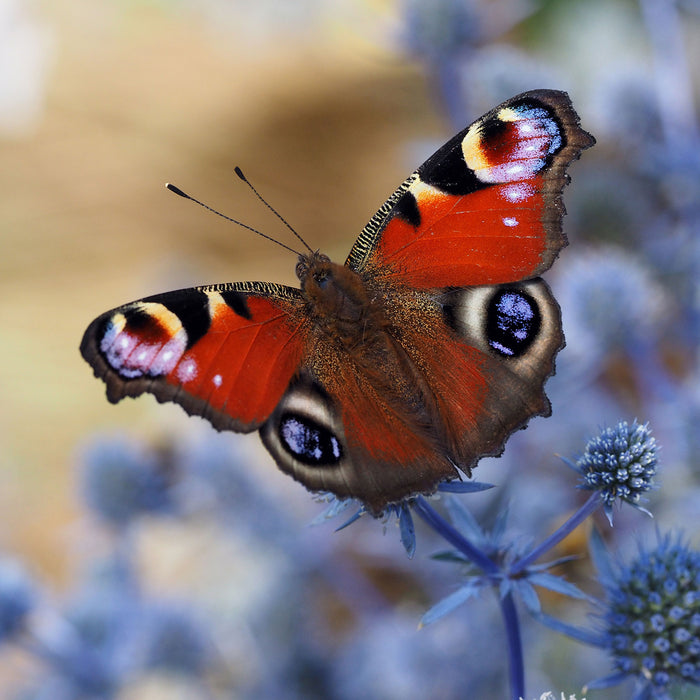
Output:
[[620, 463], [652, 620], [123, 480], [17, 598]]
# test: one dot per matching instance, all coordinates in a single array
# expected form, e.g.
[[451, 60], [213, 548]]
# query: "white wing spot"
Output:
[[510, 221], [187, 371], [217, 380], [518, 192]]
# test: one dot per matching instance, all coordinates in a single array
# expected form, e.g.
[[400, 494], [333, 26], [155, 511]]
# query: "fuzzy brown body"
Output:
[[358, 323]]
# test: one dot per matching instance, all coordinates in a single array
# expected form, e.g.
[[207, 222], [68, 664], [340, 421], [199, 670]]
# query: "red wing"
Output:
[[484, 209], [225, 352]]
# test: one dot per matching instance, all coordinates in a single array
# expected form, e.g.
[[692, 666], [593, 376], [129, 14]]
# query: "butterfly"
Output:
[[380, 378]]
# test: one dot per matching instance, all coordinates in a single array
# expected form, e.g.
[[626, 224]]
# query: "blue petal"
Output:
[[601, 557], [355, 517], [607, 682], [464, 521], [408, 530], [336, 506], [464, 486], [529, 596], [499, 527], [570, 464], [581, 634], [452, 601], [556, 583]]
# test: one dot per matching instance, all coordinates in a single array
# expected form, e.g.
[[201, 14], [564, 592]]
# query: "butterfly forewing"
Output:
[[225, 352], [486, 207]]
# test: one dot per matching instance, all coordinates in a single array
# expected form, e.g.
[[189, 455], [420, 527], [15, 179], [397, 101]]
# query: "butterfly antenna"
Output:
[[240, 174], [179, 192]]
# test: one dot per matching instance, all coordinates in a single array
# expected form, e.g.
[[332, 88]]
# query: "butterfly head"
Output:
[[316, 265], [334, 293]]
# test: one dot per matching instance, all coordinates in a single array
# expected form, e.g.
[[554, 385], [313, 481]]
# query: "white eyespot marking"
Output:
[[217, 380], [187, 371], [117, 347], [534, 135], [143, 339], [517, 193], [169, 355], [510, 221]]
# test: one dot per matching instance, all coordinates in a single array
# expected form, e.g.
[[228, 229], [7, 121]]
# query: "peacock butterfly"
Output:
[[377, 379]]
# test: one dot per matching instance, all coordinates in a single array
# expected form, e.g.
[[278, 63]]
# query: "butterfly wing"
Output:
[[224, 352], [457, 251], [486, 207]]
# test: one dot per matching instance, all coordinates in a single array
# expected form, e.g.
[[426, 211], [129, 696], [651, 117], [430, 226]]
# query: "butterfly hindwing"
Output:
[[486, 207], [225, 352]]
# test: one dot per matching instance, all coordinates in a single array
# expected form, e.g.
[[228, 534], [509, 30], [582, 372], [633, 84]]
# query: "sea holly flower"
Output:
[[491, 565], [17, 598], [176, 641], [400, 511], [122, 480], [651, 622], [620, 464]]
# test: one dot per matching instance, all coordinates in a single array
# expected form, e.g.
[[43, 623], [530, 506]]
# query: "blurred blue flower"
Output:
[[620, 463], [447, 34], [217, 477], [98, 648], [122, 480], [176, 641], [610, 303], [651, 625], [17, 598], [387, 659], [440, 30]]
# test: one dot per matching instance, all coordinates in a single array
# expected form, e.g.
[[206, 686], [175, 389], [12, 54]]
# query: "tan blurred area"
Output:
[[139, 94]]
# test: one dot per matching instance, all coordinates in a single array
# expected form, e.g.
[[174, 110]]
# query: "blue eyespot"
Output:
[[309, 442], [513, 322]]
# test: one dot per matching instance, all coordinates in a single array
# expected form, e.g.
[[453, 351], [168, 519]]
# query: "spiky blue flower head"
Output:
[[620, 463], [652, 624], [17, 598]]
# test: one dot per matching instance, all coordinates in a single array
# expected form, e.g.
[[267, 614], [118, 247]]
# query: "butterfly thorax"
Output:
[[338, 301]]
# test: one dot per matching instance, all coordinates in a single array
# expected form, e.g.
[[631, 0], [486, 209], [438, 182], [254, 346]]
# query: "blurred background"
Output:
[[199, 560]]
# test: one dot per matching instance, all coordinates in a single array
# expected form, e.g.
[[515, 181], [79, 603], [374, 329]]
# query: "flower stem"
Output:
[[445, 530], [489, 567], [515, 646], [558, 535]]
